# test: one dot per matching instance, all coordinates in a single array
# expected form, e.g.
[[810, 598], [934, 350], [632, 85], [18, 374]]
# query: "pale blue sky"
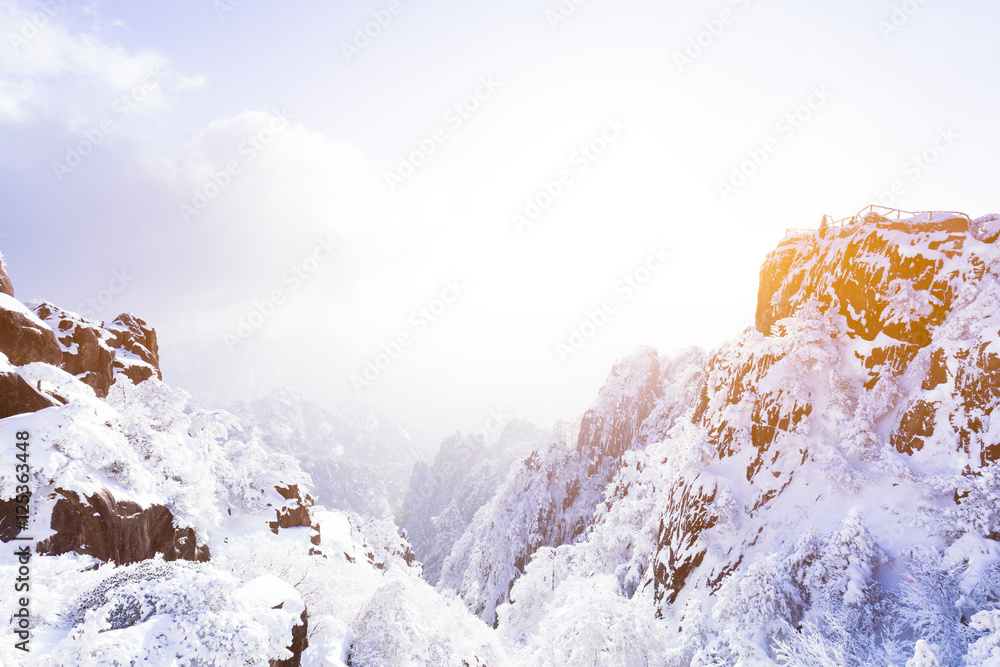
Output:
[[891, 96]]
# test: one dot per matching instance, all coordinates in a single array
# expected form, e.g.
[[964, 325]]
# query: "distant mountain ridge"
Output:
[[360, 460], [444, 497]]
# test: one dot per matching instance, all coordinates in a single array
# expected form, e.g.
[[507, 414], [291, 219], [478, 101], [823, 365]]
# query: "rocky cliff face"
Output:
[[764, 504], [23, 337], [91, 520], [96, 524], [97, 352], [878, 335], [895, 285]]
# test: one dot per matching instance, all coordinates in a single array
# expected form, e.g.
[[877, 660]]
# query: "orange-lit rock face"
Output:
[[895, 284], [870, 274], [905, 311]]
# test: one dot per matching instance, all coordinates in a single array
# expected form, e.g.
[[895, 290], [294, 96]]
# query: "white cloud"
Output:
[[48, 69]]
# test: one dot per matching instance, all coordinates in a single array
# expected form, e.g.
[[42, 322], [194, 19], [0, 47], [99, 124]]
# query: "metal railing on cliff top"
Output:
[[859, 217]]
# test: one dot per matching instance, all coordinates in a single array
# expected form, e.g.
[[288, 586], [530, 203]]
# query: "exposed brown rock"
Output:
[[24, 340], [296, 514], [839, 273], [938, 373], [609, 434], [134, 337], [97, 352], [118, 532], [888, 361], [85, 352], [17, 397], [687, 517], [772, 274], [916, 424]]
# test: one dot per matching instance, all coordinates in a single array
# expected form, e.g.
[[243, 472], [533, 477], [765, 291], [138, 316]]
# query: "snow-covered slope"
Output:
[[163, 533]]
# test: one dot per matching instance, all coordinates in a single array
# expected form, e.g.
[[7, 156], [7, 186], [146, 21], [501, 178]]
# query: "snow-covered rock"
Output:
[[96, 351]]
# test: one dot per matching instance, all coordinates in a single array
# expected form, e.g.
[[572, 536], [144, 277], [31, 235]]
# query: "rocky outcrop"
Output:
[[88, 349], [85, 351], [96, 352], [296, 513], [775, 271], [137, 354], [880, 293], [17, 397], [23, 337], [879, 275], [119, 532], [895, 283], [300, 642]]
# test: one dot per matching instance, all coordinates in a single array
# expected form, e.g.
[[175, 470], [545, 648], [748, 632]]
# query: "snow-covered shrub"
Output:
[[818, 603], [173, 613], [985, 651], [408, 624], [756, 608], [945, 589], [201, 461], [924, 655]]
